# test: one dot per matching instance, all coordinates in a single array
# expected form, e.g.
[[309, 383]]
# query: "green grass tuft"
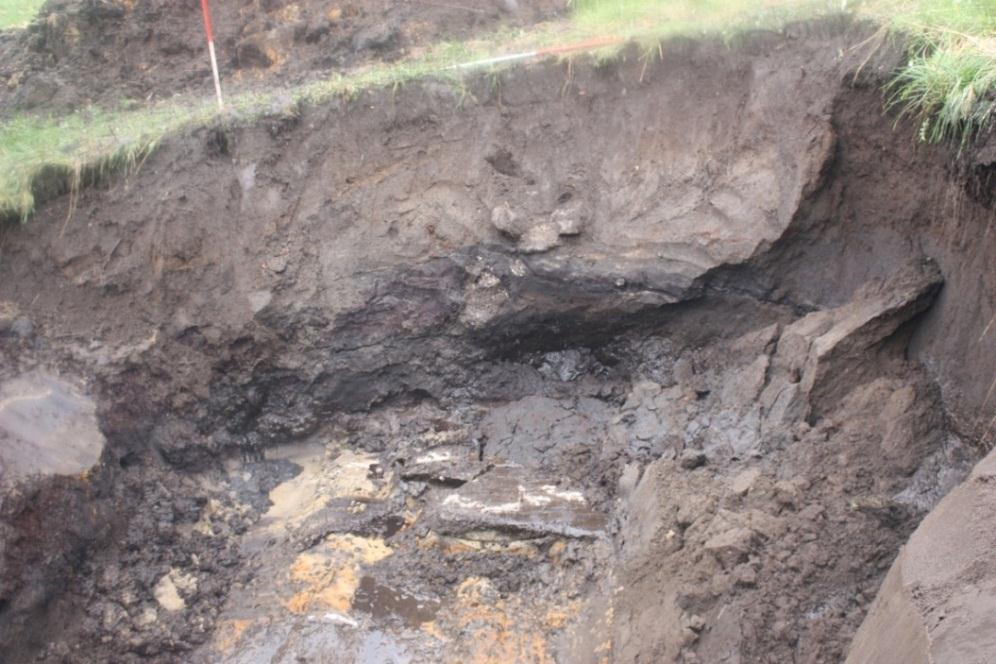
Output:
[[949, 81], [650, 21], [929, 17], [18, 13], [951, 90], [55, 153]]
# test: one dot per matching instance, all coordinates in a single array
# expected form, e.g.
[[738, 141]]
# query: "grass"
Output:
[[949, 83], [65, 148], [17, 13], [950, 90], [660, 18]]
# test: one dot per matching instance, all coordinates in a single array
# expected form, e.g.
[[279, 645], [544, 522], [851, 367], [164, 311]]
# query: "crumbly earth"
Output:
[[611, 362], [114, 52]]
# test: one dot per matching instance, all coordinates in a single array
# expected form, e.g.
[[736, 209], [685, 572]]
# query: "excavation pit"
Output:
[[653, 359]]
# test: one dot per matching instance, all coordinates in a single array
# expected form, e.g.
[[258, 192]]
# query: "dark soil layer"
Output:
[[708, 323], [81, 52]]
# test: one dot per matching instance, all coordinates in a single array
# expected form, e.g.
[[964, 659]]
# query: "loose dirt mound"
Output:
[[637, 361], [82, 52]]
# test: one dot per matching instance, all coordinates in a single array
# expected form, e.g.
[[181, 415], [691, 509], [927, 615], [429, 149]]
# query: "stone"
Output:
[[535, 430], [485, 300], [695, 623], [684, 372], [47, 427], [566, 365], [278, 264], [9, 314], [513, 498], [692, 459], [253, 52], [647, 426], [629, 478], [379, 36], [168, 596], [570, 219], [946, 570], [786, 493], [746, 385], [451, 465], [22, 327], [258, 300], [743, 483], [147, 617], [507, 221], [540, 238], [731, 547], [745, 575], [822, 355], [38, 91]]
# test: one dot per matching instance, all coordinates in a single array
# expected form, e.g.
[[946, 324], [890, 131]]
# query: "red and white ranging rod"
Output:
[[214, 60]]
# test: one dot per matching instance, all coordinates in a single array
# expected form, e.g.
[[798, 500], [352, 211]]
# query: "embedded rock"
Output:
[[511, 499], [938, 602], [822, 355], [47, 427]]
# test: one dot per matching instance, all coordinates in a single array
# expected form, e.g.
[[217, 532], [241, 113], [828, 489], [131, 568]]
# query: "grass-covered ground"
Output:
[[17, 13], [949, 83]]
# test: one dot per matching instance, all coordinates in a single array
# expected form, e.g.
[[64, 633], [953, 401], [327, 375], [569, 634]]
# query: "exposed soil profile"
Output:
[[641, 361]]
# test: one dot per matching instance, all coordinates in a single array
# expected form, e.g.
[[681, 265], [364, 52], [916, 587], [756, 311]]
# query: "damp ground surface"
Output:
[[641, 360]]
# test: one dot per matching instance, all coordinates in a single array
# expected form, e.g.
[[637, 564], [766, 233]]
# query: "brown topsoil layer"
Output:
[[711, 324], [110, 52]]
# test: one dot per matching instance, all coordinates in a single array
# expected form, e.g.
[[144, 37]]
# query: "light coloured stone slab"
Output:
[[47, 427]]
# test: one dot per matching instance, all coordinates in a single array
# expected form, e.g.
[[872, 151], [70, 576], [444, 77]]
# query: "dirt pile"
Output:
[[106, 52], [629, 361]]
